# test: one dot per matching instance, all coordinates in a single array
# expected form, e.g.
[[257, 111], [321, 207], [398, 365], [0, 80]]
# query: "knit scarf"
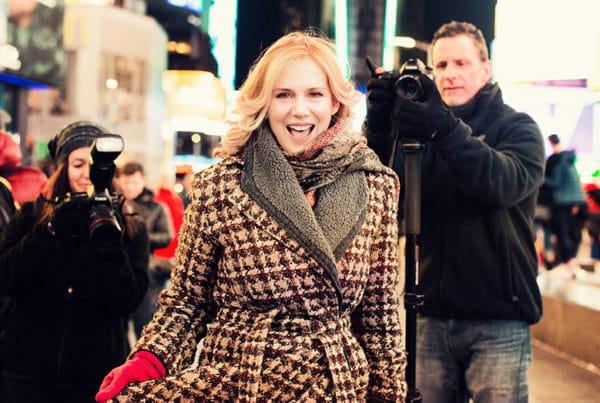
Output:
[[327, 157], [335, 171]]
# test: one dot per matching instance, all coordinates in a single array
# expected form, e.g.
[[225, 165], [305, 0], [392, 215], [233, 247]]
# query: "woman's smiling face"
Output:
[[79, 169], [301, 106]]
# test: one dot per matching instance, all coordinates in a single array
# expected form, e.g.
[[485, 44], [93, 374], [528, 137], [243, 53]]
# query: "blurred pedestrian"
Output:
[[482, 166], [287, 262], [592, 192], [569, 206], [132, 182], [186, 182], [164, 258], [8, 207], [26, 181]]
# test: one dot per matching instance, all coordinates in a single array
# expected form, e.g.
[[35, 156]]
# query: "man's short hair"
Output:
[[455, 28], [131, 168], [554, 139]]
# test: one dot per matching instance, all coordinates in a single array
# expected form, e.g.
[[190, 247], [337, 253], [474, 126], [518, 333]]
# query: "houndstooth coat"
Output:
[[292, 303]]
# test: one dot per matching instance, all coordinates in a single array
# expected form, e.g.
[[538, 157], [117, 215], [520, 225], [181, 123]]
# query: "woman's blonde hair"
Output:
[[255, 93]]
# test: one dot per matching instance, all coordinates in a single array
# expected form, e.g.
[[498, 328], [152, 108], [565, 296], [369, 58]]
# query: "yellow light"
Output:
[[196, 138], [194, 93], [183, 48], [172, 46], [112, 84]]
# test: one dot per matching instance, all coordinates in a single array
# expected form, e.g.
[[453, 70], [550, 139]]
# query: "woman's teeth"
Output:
[[299, 128]]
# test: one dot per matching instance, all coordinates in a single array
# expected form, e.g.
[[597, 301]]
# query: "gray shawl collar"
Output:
[[325, 231]]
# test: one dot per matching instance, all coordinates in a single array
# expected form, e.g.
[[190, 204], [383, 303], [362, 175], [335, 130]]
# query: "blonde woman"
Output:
[[287, 262]]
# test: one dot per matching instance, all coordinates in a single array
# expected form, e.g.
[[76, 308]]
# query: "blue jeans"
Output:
[[485, 360], [595, 250]]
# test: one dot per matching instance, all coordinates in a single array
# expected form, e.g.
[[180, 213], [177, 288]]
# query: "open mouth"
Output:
[[300, 132]]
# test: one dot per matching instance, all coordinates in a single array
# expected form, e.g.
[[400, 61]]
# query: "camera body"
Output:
[[100, 210], [409, 84]]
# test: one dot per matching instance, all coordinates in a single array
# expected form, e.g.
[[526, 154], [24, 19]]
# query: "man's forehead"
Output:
[[454, 48]]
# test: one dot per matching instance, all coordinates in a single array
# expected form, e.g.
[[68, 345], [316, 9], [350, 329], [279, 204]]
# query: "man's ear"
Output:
[[489, 71]]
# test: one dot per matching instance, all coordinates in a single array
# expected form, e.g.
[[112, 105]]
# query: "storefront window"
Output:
[[122, 89]]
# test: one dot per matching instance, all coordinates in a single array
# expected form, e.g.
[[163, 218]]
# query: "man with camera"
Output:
[[482, 165]]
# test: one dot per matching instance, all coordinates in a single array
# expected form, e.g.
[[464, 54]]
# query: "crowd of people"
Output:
[[276, 277]]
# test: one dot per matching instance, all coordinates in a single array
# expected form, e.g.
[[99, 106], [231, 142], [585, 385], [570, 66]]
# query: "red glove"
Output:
[[142, 366]]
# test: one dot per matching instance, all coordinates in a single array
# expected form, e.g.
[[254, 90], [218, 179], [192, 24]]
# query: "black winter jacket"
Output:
[[479, 189], [156, 217], [72, 303]]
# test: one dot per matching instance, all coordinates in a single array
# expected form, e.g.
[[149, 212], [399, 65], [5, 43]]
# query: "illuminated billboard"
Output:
[[34, 42], [192, 5]]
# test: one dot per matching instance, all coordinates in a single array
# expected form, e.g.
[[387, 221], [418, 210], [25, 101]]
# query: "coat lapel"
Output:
[[341, 210], [270, 181], [324, 231]]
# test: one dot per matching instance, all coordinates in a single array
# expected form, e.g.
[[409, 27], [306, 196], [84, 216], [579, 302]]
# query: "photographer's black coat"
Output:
[[72, 303], [479, 191]]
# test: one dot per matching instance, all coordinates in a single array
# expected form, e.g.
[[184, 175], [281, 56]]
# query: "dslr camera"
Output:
[[101, 210], [409, 84]]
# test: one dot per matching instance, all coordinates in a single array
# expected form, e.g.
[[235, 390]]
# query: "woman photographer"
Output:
[[71, 300], [287, 259]]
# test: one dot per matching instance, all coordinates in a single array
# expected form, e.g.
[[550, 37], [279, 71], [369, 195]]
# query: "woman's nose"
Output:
[[300, 107]]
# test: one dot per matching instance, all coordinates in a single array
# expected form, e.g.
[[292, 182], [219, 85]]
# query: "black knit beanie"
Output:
[[71, 137]]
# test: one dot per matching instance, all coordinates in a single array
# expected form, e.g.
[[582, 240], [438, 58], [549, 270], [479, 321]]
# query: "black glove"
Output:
[[423, 120], [380, 102], [66, 220]]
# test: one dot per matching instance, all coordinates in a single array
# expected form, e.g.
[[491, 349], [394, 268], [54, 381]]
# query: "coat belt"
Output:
[[333, 334]]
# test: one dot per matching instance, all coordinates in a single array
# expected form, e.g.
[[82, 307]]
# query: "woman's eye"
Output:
[[282, 95]]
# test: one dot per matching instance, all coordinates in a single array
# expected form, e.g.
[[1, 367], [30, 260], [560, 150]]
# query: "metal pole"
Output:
[[412, 218]]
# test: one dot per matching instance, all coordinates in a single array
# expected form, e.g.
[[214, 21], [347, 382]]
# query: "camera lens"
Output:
[[103, 228], [409, 87]]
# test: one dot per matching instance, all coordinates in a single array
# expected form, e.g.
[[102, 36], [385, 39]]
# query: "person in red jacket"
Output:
[[26, 181], [592, 193], [164, 258]]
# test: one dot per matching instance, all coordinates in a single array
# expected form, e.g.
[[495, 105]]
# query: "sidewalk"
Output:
[[556, 378], [571, 320]]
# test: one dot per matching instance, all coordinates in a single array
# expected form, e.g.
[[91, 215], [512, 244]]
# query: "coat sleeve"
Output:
[[24, 245], [502, 174], [119, 276], [377, 319]]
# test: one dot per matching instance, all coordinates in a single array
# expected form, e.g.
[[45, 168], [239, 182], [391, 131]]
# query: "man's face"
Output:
[[459, 71], [132, 185]]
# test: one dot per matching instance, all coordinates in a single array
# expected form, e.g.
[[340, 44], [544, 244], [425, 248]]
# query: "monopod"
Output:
[[412, 222]]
